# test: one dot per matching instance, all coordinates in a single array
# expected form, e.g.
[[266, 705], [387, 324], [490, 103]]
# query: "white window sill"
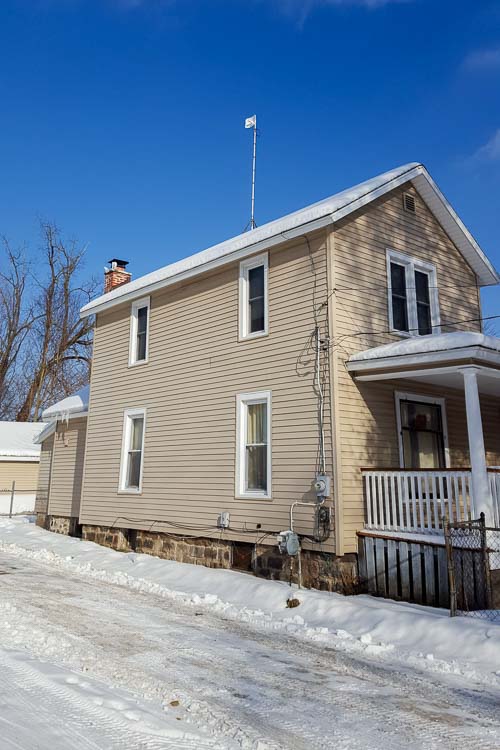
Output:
[[252, 496], [130, 492], [412, 335], [138, 363], [253, 336]]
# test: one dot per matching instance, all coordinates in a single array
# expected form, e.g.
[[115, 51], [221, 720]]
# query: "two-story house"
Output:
[[343, 341]]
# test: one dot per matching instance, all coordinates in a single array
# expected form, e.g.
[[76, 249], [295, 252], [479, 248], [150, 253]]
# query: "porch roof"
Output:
[[437, 358]]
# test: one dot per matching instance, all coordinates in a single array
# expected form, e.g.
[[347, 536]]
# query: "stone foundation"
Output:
[[58, 524], [198, 551], [42, 520], [320, 570]]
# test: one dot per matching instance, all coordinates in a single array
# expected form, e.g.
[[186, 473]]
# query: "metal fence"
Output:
[[473, 553], [14, 500]]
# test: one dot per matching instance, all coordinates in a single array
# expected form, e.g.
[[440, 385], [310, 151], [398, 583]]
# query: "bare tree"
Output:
[[50, 355], [16, 316]]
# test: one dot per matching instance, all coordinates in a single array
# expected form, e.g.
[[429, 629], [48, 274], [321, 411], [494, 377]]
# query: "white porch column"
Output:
[[483, 501]]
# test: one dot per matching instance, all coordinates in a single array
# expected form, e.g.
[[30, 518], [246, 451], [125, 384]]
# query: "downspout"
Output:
[[334, 395], [51, 467]]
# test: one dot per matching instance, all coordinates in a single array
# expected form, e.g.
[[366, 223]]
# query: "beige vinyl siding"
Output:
[[42, 493], [24, 473], [366, 413], [197, 367], [67, 468]]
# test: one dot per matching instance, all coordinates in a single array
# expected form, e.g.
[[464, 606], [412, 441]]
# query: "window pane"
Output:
[[422, 287], [256, 299], [134, 468], [399, 302], [398, 279], [422, 450], [256, 423], [399, 314], [141, 346], [256, 478], [423, 441], [256, 282], [142, 326], [142, 319], [424, 320], [423, 303], [257, 315], [418, 416], [137, 427]]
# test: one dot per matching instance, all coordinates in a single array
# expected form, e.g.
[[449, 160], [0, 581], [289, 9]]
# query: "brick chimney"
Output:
[[116, 274]]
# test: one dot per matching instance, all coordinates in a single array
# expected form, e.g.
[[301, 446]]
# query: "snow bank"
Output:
[[421, 637]]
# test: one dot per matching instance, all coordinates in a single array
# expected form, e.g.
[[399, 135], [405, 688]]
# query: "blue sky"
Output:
[[122, 120]]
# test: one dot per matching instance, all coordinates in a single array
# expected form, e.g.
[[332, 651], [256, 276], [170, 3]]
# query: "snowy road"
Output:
[[100, 665]]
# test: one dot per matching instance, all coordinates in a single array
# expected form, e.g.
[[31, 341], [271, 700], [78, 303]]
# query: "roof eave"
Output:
[[418, 175], [464, 354], [92, 308], [437, 202], [51, 427]]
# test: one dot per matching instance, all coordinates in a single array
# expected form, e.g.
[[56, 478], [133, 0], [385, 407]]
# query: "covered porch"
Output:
[[426, 486]]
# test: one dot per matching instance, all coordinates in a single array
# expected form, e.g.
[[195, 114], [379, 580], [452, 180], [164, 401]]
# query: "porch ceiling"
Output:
[[437, 359]]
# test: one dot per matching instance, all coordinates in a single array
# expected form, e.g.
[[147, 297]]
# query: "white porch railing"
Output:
[[417, 500], [494, 477]]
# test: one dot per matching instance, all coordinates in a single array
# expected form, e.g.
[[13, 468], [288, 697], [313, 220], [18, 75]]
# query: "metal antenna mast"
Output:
[[251, 122]]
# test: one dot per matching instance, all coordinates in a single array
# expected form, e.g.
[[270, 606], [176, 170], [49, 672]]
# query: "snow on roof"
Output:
[[74, 404], [312, 217], [17, 440], [442, 342]]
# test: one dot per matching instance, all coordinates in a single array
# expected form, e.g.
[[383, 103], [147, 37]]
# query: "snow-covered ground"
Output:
[[100, 649]]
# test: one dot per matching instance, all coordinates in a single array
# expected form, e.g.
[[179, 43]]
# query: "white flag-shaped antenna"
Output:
[[251, 122]]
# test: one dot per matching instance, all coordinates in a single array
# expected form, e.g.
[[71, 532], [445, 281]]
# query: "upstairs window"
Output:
[[132, 450], [253, 297], [413, 295], [139, 331], [253, 475]]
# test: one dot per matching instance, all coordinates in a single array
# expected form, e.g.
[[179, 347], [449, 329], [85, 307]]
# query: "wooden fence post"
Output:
[[451, 572]]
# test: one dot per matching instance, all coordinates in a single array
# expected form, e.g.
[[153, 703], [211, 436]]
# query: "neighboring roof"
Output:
[[78, 403], [17, 441], [421, 350], [312, 217]]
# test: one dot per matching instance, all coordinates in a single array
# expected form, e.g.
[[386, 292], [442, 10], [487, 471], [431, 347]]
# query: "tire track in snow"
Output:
[[247, 683], [69, 700]]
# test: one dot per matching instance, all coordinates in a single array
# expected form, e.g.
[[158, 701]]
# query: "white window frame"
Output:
[[411, 265], [242, 401], [401, 396], [127, 423], [245, 267], [132, 354]]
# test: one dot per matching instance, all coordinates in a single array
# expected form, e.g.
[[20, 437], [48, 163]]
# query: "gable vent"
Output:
[[409, 203]]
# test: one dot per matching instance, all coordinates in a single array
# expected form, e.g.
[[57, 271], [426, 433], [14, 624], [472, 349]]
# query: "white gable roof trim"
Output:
[[315, 216]]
